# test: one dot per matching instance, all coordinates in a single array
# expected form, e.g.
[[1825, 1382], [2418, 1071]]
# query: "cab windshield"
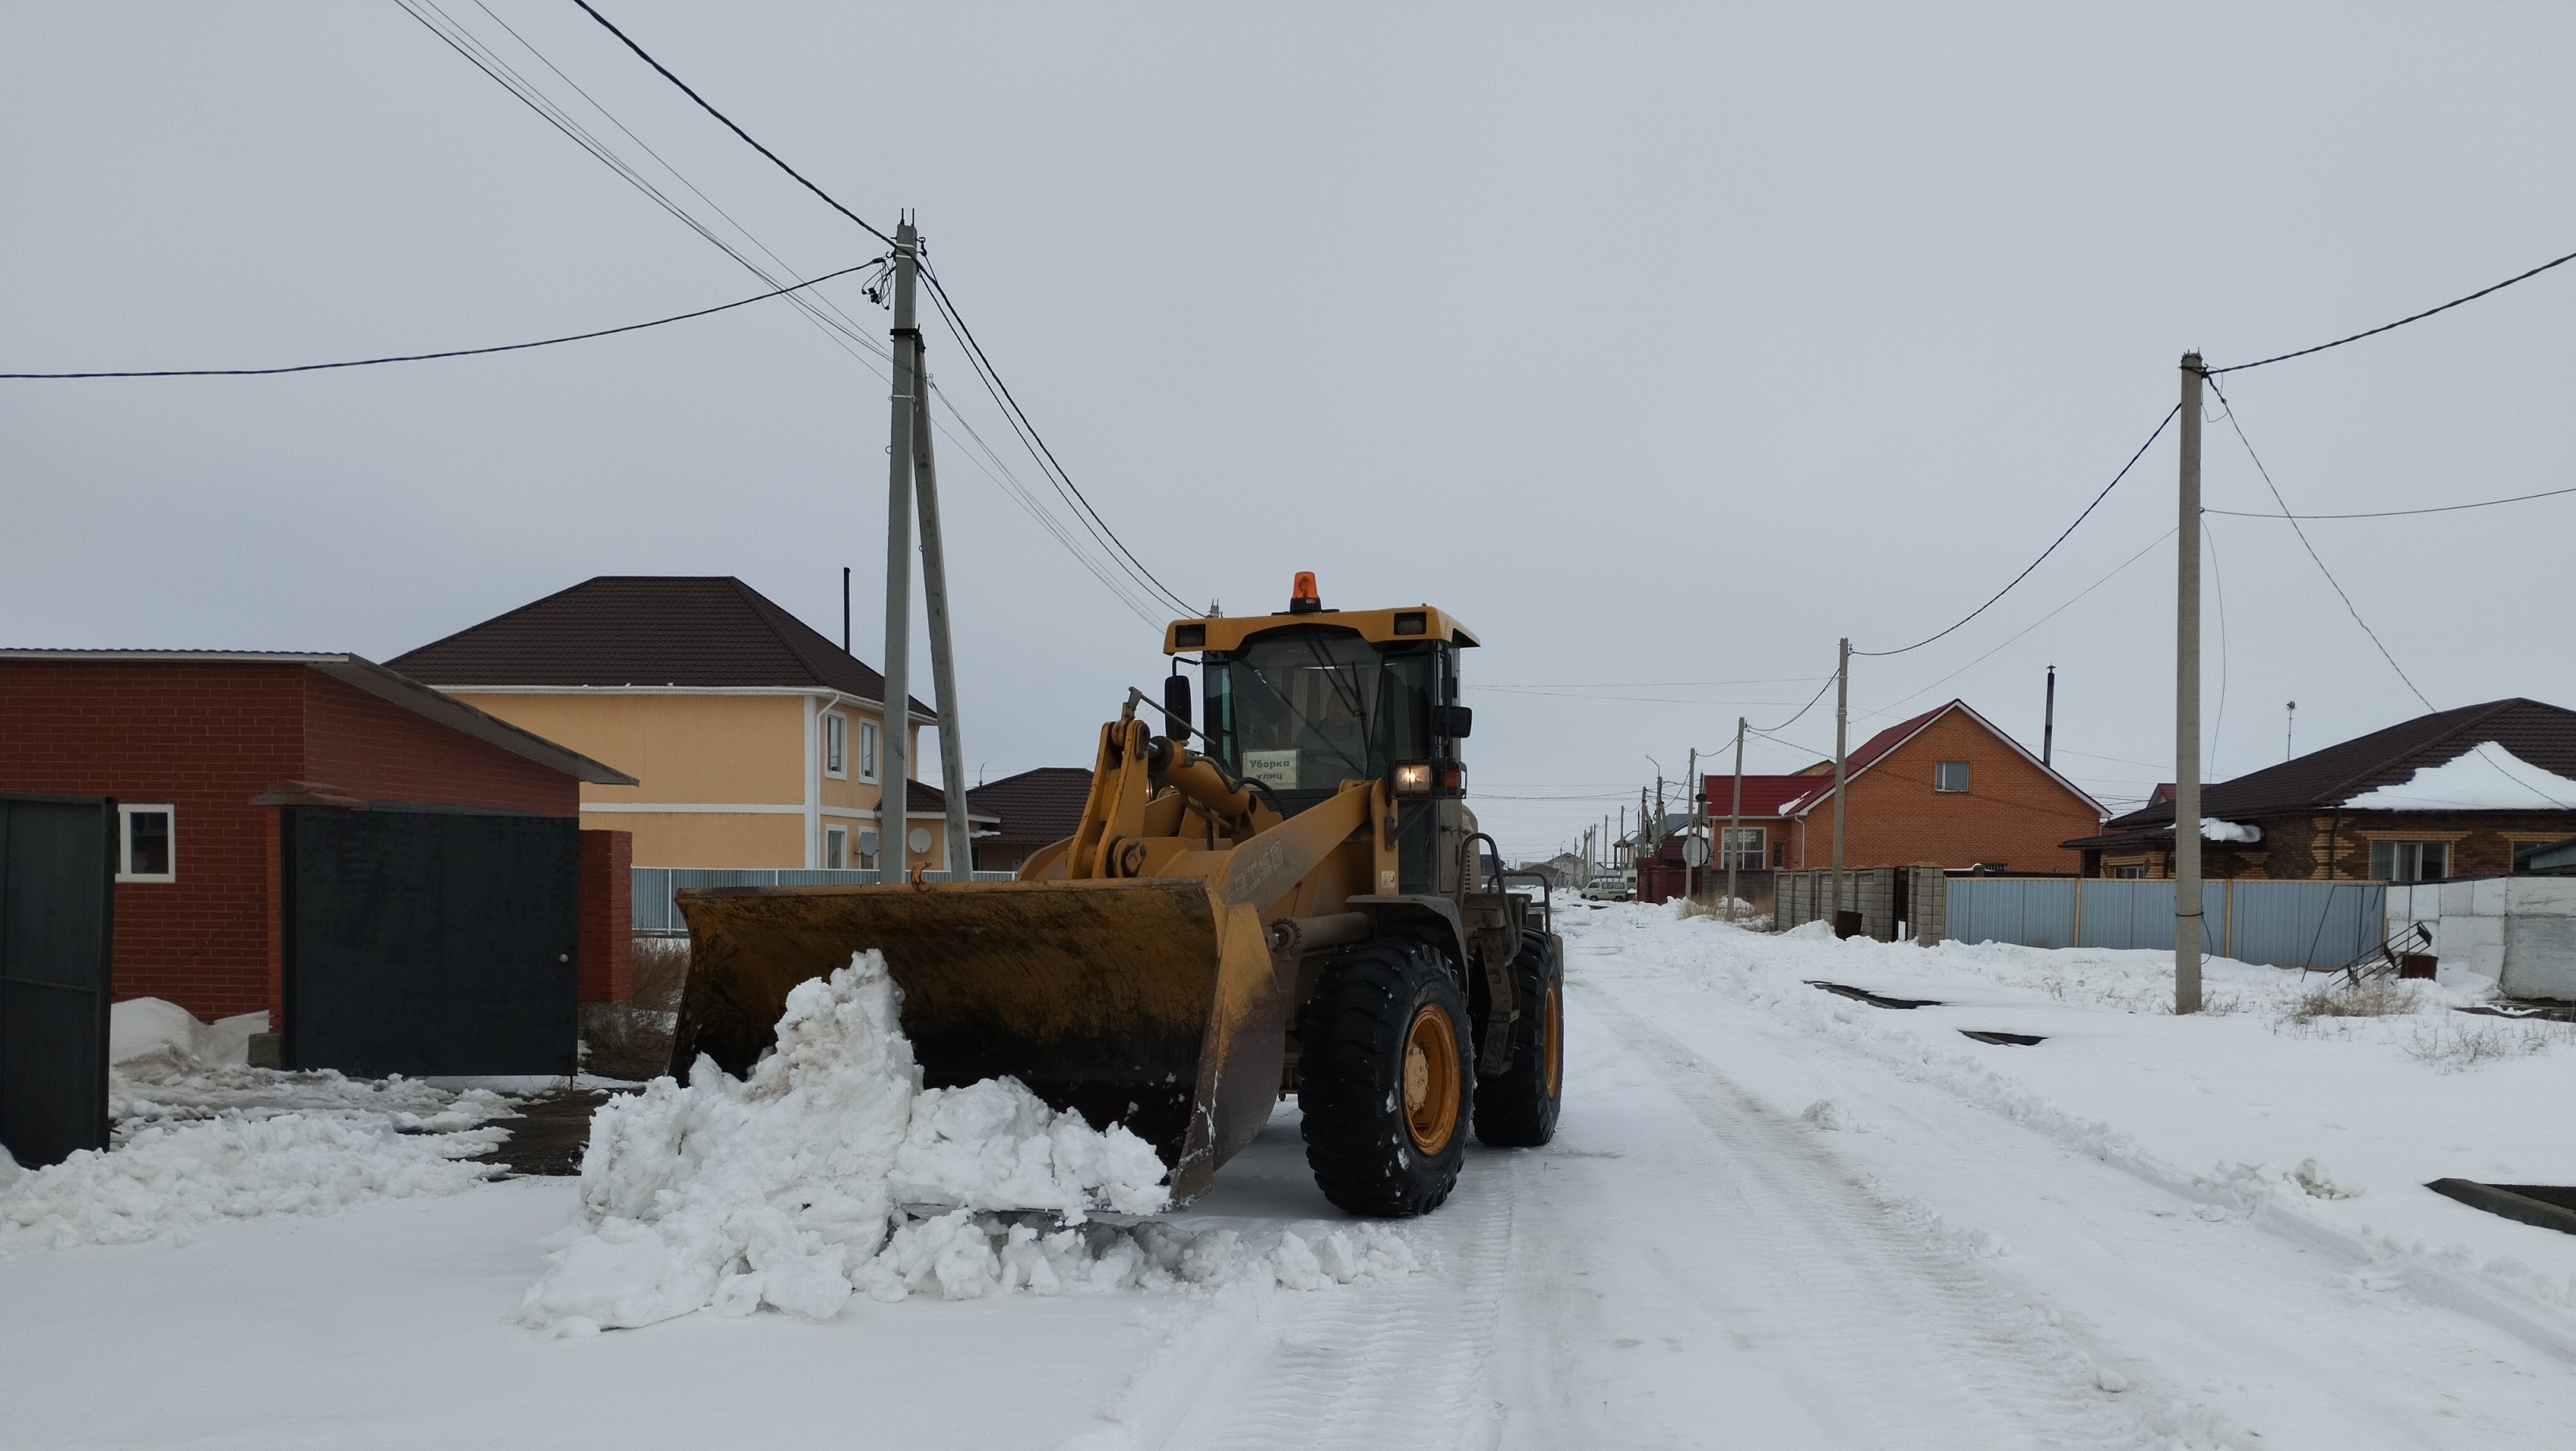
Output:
[[1303, 710]]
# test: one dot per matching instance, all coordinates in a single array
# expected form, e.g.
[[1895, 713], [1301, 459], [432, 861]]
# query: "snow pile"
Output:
[[158, 1033], [2213, 829], [175, 1179], [2489, 778], [786, 1189], [201, 1137]]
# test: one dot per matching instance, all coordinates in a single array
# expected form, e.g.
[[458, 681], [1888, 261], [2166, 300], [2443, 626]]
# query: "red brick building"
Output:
[[201, 750], [1944, 787]]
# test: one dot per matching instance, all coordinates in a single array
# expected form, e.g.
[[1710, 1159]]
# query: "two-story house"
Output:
[[754, 740]]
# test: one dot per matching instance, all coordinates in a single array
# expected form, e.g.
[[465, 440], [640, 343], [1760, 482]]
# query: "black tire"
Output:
[[1380, 1014], [1517, 1109]]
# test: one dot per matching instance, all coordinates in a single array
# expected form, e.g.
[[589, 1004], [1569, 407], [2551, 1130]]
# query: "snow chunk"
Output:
[[2489, 778], [2213, 829], [784, 1189]]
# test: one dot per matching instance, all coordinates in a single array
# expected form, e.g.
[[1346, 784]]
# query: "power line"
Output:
[[983, 364], [2239, 429], [1038, 449], [2052, 546], [2398, 513], [1802, 710], [728, 122], [452, 352], [2401, 322]]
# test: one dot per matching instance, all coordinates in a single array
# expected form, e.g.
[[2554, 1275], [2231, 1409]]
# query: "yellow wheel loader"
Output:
[[1290, 897]]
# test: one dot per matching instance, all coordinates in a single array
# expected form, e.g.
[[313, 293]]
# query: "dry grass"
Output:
[[2377, 997], [2454, 1044]]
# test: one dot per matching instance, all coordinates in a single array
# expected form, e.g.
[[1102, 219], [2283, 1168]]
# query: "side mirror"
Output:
[[1176, 705], [1452, 722]]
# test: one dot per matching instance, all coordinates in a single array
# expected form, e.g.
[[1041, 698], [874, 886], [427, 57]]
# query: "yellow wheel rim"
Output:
[[1431, 1079], [1555, 1031]]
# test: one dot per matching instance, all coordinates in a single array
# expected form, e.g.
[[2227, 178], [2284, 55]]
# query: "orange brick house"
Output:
[[1945, 787]]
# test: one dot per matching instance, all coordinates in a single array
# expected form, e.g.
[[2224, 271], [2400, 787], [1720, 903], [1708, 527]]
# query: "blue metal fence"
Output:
[[654, 910], [2281, 924]]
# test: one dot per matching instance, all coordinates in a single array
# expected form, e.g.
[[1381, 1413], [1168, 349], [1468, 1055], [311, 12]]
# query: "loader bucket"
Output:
[[1141, 1001]]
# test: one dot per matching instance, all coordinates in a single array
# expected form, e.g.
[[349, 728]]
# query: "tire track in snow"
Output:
[[1876, 1288], [1404, 1364]]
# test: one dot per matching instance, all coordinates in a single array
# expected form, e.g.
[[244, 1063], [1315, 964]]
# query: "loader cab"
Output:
[[1303, 701]]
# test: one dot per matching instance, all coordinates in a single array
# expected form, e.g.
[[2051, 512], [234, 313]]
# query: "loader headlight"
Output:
[[1413, 778]]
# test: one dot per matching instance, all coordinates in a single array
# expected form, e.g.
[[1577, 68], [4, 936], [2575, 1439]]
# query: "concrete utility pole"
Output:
[[1842, 720], [1692, 877], [943, 659], [2187, 922], [2290, 732], [2048, 721], [894, 765], [1734, 818]]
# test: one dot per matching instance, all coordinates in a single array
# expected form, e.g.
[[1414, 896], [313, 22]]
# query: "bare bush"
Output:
[[661, 973]]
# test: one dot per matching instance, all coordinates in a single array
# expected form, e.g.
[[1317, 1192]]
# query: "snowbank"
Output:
[[2489, 778], [786, 1189]]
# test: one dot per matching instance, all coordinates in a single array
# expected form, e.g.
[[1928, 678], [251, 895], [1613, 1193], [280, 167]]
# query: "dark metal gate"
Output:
[[430, 942], [57, 945]]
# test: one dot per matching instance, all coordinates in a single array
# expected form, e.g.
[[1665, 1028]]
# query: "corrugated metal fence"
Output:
[[2280, 924], [657, 912]]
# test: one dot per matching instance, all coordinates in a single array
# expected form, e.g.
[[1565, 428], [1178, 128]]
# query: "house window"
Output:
[[836, 848], [145, 846], [867, 750], [1743, 848], [2410, 861], [1950, 776], [1779, 853], [836, 744], [2130, 873]]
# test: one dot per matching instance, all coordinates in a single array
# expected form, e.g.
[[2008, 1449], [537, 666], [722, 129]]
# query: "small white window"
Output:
[[867, 750], [2130, 873], [147, 846], [2410, 861], [1950, 776], [836, 848], [1743, 848]]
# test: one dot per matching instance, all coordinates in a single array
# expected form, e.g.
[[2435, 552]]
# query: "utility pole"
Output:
[[2290, 732], [1692, 877], [845, 609], [1842, 719], [2048, 722], [943, 658], [894, 765], [2187, 923], [1734, 818]]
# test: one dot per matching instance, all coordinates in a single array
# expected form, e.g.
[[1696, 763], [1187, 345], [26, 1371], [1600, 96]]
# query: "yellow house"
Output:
[[753, 739]]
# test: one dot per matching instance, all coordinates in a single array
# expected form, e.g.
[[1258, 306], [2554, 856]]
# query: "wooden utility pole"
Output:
[[2048, 721], [2187, 923], [1692, 877], [1842, 720], [894, 735], [1734, 819]]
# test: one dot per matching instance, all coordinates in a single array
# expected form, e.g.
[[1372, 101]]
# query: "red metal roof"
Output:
[[1763, 795]]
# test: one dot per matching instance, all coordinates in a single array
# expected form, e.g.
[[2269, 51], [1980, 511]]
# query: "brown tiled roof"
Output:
[[1039, 806], [686, 630], [2543, 735], [920, 796]]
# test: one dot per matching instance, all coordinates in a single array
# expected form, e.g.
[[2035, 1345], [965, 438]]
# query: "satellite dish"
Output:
[[1695, 851], [920, 839]]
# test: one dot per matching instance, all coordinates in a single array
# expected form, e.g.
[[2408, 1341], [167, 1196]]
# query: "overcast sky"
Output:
[[1663, 346]]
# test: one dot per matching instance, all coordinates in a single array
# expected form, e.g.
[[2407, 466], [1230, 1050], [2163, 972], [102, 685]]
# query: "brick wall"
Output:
[[606, 955], [206, 737], [2012, 811]]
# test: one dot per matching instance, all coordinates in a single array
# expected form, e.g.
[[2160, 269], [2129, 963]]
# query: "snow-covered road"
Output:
[[1772, 1217]]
